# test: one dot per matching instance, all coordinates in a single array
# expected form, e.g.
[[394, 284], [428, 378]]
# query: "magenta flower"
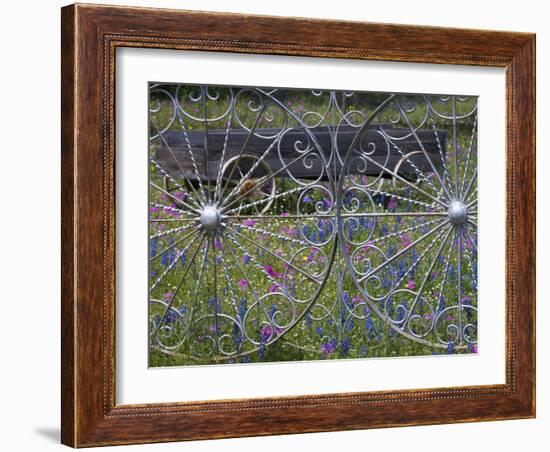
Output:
[[269, 270], [406, 240], [168, 296], [243, 283], [285, 214], [392, 204], [249, 222], [266, 331], [411, 285], [357, 299]]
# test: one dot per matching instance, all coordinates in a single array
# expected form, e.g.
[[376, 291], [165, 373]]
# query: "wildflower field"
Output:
[[363, 247]]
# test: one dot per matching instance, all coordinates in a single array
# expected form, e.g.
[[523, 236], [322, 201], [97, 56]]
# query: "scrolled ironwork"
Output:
[[320, 223]]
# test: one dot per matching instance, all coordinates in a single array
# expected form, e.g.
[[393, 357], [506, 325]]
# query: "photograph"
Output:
[[310, 224]]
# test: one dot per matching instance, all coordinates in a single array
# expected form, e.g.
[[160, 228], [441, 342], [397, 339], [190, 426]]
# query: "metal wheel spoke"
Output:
[[182, 279], [273, 217], [217, 193], [459, 271], [216, 298], [455, 147], [174, 181], [421, 145], [262, 201], [446, 176], [405, 181], [469, 237], [161, 136], [172, 220], [404, 250], [170, 195], [272, 254], [170, 209], [170, 267], [170, 231], [421, 175], [468, 158], [245, 144], [427, 275], [446, 270], [404, 231], [267, 179], [253, 168], [253, 260], [394, 214], [405, 198], [470, 184], [420, 257], [194, 164], [275, 235], [177, 242], [206, 153], [230, 281], [250, 282]]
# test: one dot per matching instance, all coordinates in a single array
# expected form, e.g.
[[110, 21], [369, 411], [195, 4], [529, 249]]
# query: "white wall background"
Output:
[[29, 226]]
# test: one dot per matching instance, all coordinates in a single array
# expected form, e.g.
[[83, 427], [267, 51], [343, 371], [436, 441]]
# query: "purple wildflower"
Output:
[[243, 283]]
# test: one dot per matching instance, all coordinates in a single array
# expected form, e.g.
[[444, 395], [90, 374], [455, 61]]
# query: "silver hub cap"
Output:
[[210, 218], [457, 213]]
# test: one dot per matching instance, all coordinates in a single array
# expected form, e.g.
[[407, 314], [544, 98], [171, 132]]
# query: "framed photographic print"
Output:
[[282, 225]]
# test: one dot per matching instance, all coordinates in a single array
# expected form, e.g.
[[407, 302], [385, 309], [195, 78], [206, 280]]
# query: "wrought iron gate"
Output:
[[314, 223]]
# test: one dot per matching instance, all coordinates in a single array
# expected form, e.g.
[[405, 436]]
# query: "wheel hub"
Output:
[[210, 218], [457, 213]]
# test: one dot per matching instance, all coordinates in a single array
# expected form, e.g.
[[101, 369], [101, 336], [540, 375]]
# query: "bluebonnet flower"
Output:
[[272, 311], [164, 260], [328, 347], [172, 251], [170, 316], [401, 269], [154, 247], [345, 346], [241, 310], [369, 325]]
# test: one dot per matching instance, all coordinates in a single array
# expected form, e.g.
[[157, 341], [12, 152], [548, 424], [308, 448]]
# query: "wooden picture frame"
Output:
[[90, 37]]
